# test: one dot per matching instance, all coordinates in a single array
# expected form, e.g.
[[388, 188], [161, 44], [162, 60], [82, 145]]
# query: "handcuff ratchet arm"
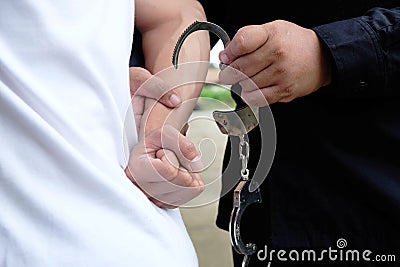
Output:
[[197, 26]]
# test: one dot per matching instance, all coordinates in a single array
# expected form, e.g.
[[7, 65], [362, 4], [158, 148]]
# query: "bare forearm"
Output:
[[195, 49], [158, 45]]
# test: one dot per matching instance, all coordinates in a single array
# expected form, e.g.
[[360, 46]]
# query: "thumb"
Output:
[[145, 84]]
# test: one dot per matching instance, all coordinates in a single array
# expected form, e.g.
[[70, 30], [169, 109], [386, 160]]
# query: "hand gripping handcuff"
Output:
[[238, 123]]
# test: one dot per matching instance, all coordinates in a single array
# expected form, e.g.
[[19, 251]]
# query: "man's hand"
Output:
[[283, 60], [160, 24], [164, 167], [158, 91]]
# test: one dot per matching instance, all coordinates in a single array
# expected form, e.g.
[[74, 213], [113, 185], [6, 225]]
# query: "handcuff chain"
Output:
[[244, 154]]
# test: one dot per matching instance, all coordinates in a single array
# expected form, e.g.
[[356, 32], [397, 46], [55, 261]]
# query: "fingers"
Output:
[[245, 66], [177, 186], [246, 40], [179, 195], [176, 191], [183, 148], [280, 59], [263, 96], [164, 183], [144, 84], [246, 54], [161, 204], [164, 167], [169, 138], [267, 86]]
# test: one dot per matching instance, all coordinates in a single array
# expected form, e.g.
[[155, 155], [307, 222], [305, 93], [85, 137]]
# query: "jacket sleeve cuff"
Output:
[[356, 54]]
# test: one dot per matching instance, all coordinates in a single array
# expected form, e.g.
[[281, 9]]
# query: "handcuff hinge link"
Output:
[[244, 154]]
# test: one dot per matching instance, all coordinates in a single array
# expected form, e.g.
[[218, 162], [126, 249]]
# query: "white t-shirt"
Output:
[[64, 97]]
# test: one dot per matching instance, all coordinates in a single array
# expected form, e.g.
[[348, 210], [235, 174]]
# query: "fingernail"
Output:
[[224, 58], [196, 164], [175, 100]]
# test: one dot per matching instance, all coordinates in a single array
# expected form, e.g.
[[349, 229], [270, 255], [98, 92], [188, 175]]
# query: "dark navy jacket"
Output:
[[336, 170]]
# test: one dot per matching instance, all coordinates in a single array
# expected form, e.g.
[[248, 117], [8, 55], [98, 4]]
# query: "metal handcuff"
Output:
[[238, 123]]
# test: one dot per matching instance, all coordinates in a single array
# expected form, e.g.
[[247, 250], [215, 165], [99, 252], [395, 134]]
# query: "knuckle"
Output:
[[288, 90], [241, 44], [287, 94], [235, 71], [260, 59], [235, 68], [201, 187], [249, 85], [249, 98], [183, 180], [188, 182], [279, 53], [280, 70], [188, 149], [170, 173]]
